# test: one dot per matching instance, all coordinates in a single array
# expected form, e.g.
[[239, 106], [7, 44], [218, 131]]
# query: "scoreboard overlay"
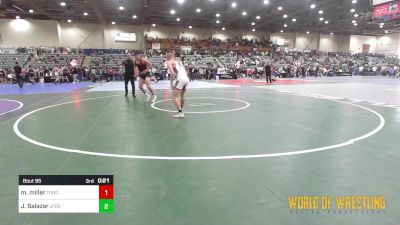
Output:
[[66, 194]]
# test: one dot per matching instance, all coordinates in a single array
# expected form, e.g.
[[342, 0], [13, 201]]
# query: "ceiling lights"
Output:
[[248, 17]]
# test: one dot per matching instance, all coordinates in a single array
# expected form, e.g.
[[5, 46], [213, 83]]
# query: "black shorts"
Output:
[[144, 76]]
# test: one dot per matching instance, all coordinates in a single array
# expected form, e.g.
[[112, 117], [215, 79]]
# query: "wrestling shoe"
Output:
[[179, 115], [148, 97], [154, 98]]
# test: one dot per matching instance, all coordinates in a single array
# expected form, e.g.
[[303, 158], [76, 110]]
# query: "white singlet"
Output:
[[182, 80]]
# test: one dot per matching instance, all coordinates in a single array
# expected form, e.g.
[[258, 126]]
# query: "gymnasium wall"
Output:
[[388, 44], [357, 42], [334, 43], [36, 33], [84, 35], [21, 33], [313, 41], [306, 41]]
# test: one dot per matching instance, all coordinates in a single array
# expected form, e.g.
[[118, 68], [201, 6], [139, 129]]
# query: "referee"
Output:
[[268, 73], [129, 74], [18, 74]]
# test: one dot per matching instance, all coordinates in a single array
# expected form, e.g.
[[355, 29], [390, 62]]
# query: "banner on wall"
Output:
[[378, 2], [388, 11], [186, 48], [125, 37], [366, 48], [280, 41], [156, 46], [283, 42]]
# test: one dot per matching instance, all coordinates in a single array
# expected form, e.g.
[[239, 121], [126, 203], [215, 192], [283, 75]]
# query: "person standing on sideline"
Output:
[[268, 73], [18, 72], [129, 74]]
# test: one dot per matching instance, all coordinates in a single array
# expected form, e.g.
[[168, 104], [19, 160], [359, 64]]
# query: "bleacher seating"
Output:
[[7, 61], [200, 60], [108, 60], [50, 60]]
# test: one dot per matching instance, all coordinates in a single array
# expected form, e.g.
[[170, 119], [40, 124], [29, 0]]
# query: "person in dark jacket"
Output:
[[268, 73], [18, 74], [129, 74]]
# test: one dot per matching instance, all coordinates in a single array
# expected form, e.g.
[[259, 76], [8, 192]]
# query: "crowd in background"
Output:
[[66, 65], [316, 64], [237, 41]]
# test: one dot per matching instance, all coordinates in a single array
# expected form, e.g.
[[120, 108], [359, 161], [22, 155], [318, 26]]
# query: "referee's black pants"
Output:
[[269, 78], [130, 78], [20, 80]]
